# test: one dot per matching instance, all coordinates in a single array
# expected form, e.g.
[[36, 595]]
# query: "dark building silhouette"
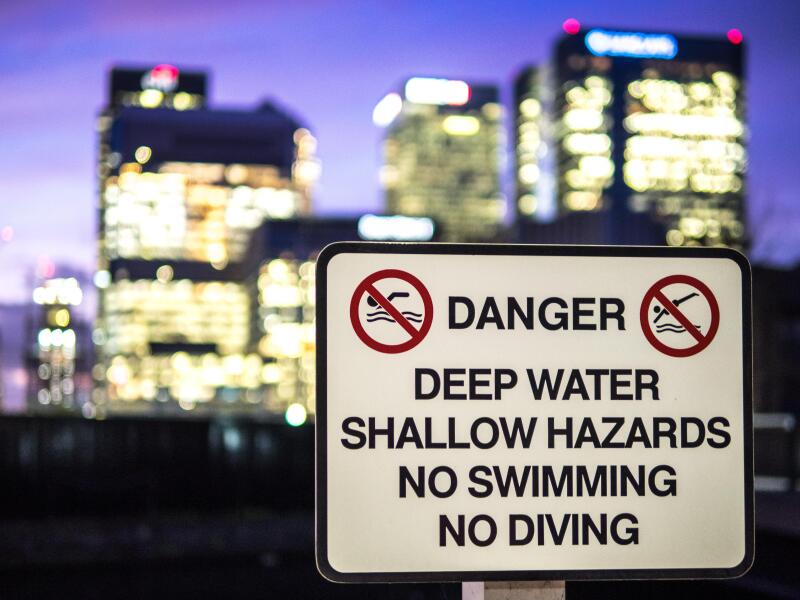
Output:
[[13, 374], [776, 340]]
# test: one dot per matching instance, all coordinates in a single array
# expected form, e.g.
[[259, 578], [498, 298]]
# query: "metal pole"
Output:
[[513, 590]]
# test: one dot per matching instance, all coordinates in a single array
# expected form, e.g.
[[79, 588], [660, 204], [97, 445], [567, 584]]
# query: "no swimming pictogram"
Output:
[[394, 318], [679, 316]]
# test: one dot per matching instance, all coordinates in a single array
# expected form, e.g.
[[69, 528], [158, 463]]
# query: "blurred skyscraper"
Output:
[[13, 359], [647, 134], [283, 254], [59, 350], [442, 152], [532, 101], [182, 188]]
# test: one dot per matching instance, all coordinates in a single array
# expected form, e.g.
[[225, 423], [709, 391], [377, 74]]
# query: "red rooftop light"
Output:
[[164, 71], [572, 26], [735, 36]]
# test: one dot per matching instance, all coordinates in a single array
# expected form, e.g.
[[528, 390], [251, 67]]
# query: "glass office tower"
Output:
[[58, 350], [648, 138], [442, 152], [182, 189], [282, 269]]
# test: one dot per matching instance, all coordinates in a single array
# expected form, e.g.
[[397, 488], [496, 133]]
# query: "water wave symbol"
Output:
[[382, 315], [672, 328]]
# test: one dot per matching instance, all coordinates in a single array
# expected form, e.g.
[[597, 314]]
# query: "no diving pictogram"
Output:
[[676, 307], [378, 312]]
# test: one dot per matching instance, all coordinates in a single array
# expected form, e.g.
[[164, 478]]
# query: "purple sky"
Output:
[[329, 62]]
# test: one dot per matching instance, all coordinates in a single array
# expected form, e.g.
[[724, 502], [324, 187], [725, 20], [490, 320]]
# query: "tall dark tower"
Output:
[[441, 155], [182, 189], [649, 138], [58, 350]]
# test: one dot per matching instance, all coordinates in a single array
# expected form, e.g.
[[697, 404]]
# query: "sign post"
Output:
[[513, 590], [500, 413]]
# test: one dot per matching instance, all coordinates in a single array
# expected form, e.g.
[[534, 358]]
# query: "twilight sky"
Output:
[[329, 62]]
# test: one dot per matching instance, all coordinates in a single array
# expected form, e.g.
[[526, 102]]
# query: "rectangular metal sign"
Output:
[[533, 412]]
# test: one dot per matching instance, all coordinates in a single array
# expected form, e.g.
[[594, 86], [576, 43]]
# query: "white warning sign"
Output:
[[532, 412]]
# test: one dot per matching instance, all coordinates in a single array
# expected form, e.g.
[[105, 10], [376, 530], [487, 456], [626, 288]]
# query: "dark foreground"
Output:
[[157, 509]]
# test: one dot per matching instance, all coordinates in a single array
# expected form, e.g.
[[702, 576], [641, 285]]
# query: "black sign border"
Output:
[[321, 484]]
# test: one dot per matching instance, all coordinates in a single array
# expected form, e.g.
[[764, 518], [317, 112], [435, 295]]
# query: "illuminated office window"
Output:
[[685, 144], [178, 340], [190, 211], [58, 380], [587, 168], [286, 296]]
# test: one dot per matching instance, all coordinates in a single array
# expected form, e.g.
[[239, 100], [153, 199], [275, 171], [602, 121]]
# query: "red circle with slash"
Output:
[[656, 293], [368, 287]]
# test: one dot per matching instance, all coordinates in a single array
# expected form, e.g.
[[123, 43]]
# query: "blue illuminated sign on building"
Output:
[[601, 42]]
